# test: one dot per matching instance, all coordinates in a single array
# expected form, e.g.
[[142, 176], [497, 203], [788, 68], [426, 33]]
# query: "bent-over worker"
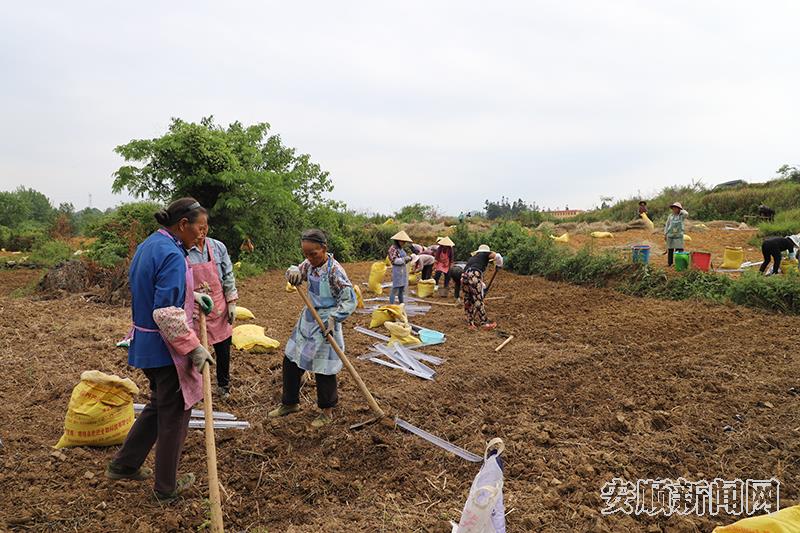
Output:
[[473, 287], [772, 247]]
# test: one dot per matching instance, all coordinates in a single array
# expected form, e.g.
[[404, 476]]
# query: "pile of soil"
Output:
[[595, 385]]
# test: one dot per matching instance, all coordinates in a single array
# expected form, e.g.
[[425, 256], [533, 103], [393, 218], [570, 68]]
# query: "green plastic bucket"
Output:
[[681, 261]]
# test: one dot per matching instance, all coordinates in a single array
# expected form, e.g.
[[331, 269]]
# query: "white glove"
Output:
[[330, 326], [294, 276], [498, 260], [200, 357], [231, 312]]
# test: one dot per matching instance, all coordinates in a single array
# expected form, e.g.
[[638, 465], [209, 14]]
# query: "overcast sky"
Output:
[[447, 103]]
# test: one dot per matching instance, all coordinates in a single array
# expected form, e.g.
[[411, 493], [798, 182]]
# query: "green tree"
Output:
[[253, 185]]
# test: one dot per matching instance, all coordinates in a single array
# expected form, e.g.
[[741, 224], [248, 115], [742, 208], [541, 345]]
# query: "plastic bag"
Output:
[[649, 222], [601, 235], [100, 411], [425, 288], [783, 521], [484, 511], [376, 273], [733, 257], [290, 288], [386, 313], [400, 333], [243, 313], [359, 297], [251, 338]]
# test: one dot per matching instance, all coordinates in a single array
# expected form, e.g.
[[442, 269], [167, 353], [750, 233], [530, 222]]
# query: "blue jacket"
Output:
[[157, 278]]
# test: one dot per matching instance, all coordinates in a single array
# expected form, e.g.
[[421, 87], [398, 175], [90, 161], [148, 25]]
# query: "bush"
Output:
[[119, 231], [785, 223], [48, 253], [776, 293]]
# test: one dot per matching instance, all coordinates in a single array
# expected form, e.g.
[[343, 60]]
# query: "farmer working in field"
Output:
[[673, 230], [444, 259], [473, 286], [212, 272], [398, 258], [165, 348], [334, 299], [424, 262], [772, 248], [642, 208], [454, 274]]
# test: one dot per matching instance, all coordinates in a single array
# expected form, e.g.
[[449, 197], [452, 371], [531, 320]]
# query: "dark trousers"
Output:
[[438, 274], [163, 422], [426, 271], [771, 253], [670, 254], [455, 274], [327, 390], [222, 355]]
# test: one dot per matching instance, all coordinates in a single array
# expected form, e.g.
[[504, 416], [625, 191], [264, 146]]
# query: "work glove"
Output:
[[231, 312], [498, 260], [330, 325], [204, 301], [200, 357], [294, 276]]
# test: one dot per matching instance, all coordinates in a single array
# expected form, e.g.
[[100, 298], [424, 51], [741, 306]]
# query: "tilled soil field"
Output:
[[595, 385]]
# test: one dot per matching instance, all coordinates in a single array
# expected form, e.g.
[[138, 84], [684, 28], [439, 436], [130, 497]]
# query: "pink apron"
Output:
[[191, 381], [206, 281]]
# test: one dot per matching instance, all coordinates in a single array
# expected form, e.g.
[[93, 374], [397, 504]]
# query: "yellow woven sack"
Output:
[[251, 338], [100, 411], [359, 298], [733, 258], [386, 313], [425, 288], [562, 238], [376, 273], [649, 222], [601, 235], [784, 521], [400, 333], [243, 313], [788, 265], [413, 279]]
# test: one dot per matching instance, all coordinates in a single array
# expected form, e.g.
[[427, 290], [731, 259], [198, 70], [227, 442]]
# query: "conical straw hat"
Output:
[[445, 241], [401, 236]]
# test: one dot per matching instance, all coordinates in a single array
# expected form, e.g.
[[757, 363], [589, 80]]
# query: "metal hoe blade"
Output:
[[433, 439]]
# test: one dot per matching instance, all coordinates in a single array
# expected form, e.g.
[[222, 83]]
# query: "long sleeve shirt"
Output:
[[223, 263], [157, 279]]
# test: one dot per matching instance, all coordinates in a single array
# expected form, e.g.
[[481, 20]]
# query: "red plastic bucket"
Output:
[[701, 261]]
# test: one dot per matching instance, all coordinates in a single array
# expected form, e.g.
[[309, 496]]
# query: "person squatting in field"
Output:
[[307, 349], [772, 247], [473, 286]]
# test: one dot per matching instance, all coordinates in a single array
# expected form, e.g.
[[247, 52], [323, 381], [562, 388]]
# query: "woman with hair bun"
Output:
[[164, 346]]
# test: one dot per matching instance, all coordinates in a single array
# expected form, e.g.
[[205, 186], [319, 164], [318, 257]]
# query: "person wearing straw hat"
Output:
[[398, 257], [444, 259], [772, 247], [673, 231], [473, 287]]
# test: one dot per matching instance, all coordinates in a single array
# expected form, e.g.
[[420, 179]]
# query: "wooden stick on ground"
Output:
[[211, 447], [504, 343]]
